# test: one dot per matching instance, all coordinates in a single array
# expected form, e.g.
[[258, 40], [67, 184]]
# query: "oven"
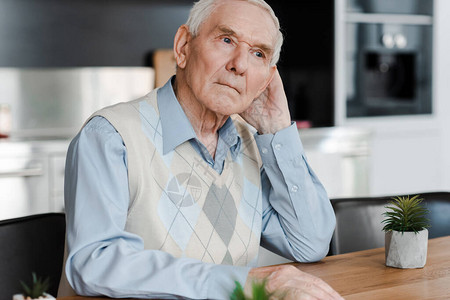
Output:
[[389, 58]]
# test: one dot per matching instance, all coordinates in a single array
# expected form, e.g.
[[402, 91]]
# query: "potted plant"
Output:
[[37, 290], [406, 234], [259, 292]]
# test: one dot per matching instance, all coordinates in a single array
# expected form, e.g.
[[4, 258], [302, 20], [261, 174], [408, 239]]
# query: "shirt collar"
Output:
[[228, 133], [176, 127]]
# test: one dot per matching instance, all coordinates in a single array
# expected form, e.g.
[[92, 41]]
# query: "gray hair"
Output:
[[203, 9]]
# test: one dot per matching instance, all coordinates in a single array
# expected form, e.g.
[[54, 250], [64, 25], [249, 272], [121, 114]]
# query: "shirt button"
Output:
[[264, 150], [294, 188], [278, 147]]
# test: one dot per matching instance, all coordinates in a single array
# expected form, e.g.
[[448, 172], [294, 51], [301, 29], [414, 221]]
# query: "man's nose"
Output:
[[238, 62]]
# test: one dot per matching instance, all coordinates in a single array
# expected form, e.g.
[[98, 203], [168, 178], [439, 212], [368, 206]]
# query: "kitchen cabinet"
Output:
[[340, 156], [31, 177], [57, 161]]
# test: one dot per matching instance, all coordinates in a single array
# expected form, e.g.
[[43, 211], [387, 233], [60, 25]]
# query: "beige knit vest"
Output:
[[178, 203]]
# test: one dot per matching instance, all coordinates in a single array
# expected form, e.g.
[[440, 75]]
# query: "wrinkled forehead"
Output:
[[245, 19]]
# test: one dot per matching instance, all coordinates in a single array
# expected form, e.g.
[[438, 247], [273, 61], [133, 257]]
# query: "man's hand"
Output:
[[269, 112], [291, 283]]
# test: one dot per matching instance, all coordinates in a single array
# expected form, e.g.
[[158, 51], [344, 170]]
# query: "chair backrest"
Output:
[[359, 227], [31, 244]]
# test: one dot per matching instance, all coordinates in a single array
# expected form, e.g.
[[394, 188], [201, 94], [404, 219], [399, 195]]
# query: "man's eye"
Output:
[[227, 40], [259, 54]]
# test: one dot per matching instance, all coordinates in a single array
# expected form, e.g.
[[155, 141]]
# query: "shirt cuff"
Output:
[[285, 145], [222, 280]]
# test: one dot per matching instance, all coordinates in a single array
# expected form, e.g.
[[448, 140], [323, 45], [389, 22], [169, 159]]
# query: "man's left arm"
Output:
[[298, 219]]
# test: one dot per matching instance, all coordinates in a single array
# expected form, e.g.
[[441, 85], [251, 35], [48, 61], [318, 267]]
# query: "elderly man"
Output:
[[170, 195]]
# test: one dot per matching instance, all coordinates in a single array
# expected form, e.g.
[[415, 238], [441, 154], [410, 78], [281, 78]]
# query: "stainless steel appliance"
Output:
[[47, 108], [389, 58], [56, 101]]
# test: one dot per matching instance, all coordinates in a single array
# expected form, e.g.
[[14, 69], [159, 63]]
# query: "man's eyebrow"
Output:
[[228, 31]]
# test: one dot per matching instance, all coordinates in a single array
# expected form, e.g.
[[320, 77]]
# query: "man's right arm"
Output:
[[103, 258]]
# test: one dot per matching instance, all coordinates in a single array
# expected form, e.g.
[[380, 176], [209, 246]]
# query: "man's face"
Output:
[[228, 62]]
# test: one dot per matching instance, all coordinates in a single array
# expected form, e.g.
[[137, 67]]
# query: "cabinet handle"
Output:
[[22, 172]]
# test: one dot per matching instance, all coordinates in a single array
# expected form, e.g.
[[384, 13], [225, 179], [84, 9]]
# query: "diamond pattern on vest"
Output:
[[179, 204], [221, 211], [183, 197]]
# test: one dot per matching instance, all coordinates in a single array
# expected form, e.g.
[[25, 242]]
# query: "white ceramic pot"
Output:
[[21, 297], [406, 250]]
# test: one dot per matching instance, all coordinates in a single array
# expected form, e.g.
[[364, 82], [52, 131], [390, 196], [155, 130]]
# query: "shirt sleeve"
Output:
[[106, 260], [298, 219]]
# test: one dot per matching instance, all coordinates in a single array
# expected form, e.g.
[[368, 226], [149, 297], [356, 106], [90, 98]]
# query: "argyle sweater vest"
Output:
[[178, 203]]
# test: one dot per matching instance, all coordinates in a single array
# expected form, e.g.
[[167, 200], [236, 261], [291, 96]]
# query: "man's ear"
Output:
[[181, 45], [269, 79]]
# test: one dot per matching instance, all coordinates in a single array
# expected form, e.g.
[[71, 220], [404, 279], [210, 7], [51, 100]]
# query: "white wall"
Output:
[[442, 83]]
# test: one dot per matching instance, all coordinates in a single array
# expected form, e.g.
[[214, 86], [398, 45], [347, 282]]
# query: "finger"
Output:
[[319, 288], [303, 283], [300, 295], [296, 294]]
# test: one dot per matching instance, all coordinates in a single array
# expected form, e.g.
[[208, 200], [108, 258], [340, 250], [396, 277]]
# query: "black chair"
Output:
[[31, 244], [359, 227]]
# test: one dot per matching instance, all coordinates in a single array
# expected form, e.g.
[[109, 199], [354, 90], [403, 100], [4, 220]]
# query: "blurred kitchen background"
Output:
[[367, 81]]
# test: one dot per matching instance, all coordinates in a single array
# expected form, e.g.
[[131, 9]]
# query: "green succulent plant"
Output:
[[405, 214], [38, 287], [259, 292]]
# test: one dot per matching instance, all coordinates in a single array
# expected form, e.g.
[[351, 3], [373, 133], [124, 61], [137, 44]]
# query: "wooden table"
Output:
[[362, 275]]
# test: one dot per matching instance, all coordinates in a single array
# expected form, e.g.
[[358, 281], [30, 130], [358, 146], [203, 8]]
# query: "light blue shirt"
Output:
[[297, 221]]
